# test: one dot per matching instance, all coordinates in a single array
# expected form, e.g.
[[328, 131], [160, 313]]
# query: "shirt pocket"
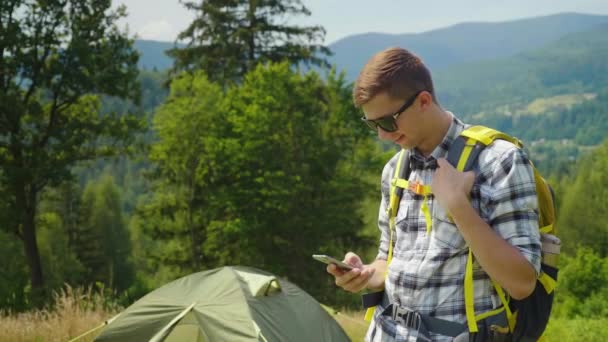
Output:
[[444, 233], [402, 235], [402, 220]]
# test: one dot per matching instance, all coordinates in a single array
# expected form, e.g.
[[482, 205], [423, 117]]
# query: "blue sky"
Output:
[[163, 19]]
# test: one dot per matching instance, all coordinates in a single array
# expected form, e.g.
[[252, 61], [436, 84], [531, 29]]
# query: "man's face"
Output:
[[407, 134]]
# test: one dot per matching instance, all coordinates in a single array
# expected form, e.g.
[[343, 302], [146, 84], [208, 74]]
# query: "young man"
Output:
[[491, 210]]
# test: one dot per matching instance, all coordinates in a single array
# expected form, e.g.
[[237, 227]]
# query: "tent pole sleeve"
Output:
[[163, 332]]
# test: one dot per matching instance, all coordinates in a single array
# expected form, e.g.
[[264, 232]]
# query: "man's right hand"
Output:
[[354, 280]]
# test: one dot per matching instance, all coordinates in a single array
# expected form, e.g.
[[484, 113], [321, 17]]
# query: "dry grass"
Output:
[[74, 312], [353, 323]]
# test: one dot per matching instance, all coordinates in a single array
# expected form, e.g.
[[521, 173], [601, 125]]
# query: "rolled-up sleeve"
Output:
[[511, 202]]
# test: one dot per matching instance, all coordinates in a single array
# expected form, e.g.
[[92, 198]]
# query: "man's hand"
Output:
[[354, 280], [451, 186]]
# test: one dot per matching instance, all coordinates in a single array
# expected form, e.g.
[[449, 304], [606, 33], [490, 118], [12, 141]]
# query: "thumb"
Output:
[[353, 259], [443, 163]]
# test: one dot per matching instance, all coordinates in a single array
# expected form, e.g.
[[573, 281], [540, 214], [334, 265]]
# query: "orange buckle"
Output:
[[416, 188]]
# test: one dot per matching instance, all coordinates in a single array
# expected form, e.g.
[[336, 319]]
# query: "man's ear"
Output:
[[426, 99]]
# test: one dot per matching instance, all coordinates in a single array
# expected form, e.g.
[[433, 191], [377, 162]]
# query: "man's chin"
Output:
[[403, 143]]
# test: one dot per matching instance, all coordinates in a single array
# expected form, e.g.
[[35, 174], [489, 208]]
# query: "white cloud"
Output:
[[158, 30]]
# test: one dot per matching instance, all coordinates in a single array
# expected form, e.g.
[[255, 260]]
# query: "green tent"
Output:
[[225, 304]]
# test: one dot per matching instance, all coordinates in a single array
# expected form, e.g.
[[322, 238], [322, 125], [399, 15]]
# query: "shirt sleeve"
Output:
[[511, 202]]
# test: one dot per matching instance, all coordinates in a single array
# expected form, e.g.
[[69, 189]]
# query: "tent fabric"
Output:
[[231, 303]]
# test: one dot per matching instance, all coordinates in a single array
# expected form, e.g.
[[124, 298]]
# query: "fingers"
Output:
[[334, 270], [442, 162], [355, 280]]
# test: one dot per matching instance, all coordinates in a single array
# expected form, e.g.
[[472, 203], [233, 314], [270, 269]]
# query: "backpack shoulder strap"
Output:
[[464, 151], [463, 154], [402, 171]]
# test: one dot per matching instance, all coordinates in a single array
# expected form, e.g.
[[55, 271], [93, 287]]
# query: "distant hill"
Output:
[[440, 48], [153, 54], [575, 63], [554, 97], [463, 43]]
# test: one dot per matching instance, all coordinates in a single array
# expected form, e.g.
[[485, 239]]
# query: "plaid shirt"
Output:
[[427, 271]]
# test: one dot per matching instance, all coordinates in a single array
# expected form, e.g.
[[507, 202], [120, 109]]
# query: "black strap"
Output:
[[429, 323], [404, 173], [442, 326], [372, 299], [455, 151], [432, 324]]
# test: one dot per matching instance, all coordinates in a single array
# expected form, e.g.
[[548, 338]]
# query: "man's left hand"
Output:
[[451, 186]]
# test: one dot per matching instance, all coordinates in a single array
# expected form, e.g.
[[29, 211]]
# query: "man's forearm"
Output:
[[376, 283], [502, 261]]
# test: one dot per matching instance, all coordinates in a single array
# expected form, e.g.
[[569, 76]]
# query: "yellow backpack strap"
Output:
[[463, 154], [465, 148], [547, 281], [486, 135], [402, 170]]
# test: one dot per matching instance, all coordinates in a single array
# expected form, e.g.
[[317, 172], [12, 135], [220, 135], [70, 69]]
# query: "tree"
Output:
[[229, 37], [300, 162], [58, 223], [56, 58], [102, 243], [180, 208], [276, 169], [583, 217]]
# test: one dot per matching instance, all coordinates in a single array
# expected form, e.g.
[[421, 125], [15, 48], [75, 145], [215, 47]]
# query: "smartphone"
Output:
[[330, 260]]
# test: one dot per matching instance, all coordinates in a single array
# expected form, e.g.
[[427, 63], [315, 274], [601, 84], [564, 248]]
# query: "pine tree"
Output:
[[103, 243], [229, 37]]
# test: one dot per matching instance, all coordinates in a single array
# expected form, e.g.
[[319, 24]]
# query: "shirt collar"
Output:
[[441, 151]]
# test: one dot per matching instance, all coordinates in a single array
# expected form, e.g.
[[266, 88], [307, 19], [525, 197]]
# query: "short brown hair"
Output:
[[395, 70]]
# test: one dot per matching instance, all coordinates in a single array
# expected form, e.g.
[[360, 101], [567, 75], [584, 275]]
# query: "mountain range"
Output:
[[441, 48]]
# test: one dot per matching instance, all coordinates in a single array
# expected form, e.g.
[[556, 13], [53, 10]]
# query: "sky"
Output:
[[164, 19]]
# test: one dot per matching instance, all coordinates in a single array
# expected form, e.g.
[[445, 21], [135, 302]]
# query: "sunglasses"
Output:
[[388, 123]]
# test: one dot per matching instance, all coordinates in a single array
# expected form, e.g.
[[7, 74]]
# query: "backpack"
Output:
[[527, 318]]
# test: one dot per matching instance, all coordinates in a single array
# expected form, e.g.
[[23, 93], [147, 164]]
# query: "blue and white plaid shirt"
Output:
[[427, 271]]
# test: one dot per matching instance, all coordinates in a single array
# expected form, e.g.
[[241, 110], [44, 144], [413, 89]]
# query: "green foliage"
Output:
[[581, 291], [582, 219], [266, 175], [580, 329], [55, 54], [229, 37], [584, 274], [56, 252], [13, 274], [102, 242], [298, 164]]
